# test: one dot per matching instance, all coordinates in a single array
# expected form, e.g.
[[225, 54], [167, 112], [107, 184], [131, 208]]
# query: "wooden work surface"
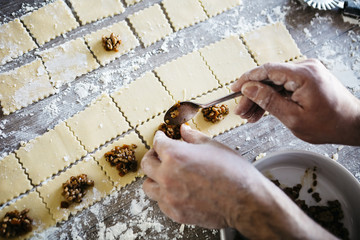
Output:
[[326, 36]]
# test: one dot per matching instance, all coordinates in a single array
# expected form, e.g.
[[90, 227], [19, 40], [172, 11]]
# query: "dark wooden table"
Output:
[[319, 34]]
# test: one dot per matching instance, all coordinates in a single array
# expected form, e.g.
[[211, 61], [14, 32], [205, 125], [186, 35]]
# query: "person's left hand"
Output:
[[194, 180]]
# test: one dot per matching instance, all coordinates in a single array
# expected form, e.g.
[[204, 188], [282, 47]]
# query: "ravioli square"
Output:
[[68, 61], [111, 171], [24, 85], [51, 191], [92, 10], [215, 7], [187, 77], [47, 154], [50, 21], [98, 123], [150, 24], [13, 180], [142, 99], [14, 41], [271, 43], [184, 13], [229, 122], [38, 212], [228, 59], [121, 29]]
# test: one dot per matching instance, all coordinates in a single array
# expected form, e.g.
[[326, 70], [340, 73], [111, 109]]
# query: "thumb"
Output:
[[193, 136], [268, 99]]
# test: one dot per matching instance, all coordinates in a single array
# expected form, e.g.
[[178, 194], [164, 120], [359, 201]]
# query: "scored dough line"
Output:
[[167, 16]]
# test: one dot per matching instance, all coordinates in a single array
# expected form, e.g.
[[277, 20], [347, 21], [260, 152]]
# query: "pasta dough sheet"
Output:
[[46, 155], [68, 61], [143, 99], [128, 42], [24, 85], [214, 7], [279, 46], [98, 123], [132, 2], [228, 59], [14, 41], [111, 171], [38, 213], [229, 122], [184, 13], [50, 21], [150, 24], [51, 191], [187, 77], [13, 180], [149, 128], [92, 10]]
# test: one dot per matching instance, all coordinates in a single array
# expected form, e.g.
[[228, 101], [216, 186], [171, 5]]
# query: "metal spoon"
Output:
[[184, 111]]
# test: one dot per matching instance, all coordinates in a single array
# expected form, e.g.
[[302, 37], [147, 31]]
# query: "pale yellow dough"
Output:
[[111, 171], [131, 2], [14, 41], [214, 7], [51, 191], [150, 24], [128, 42], [148, 129], [271, 43], [13, 180], [228, 59], [98, 123], [142, 99], [38, 213], [23, 86], [92, 10], [229, 122], [184, 13], [50, 21], [48, 154], [68, 61], [187, 77]]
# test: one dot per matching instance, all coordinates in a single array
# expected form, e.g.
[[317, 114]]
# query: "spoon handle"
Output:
[[223, 99]]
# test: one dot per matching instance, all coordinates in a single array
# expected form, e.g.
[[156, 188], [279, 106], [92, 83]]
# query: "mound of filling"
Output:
[[215, 113], [111, 43], [123, 158], [172, 131], [75, 189], [15, 224], [329, 216]]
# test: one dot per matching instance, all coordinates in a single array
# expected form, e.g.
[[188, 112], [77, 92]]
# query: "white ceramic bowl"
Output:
[[334, 182]]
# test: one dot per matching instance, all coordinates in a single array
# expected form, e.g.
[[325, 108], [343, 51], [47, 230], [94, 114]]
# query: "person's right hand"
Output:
[[316, 107]]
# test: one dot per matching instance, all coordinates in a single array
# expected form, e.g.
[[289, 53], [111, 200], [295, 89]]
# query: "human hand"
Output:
[[200, 181], [316, 107], [193, 180]]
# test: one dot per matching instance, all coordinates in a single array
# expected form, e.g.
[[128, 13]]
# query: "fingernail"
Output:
[[250, 92]]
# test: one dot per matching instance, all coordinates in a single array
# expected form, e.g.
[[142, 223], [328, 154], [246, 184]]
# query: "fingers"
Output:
[[279, 73], [247, 109], [162, 144], [270, 100], [193, 136], [151, 189], [150, 164]]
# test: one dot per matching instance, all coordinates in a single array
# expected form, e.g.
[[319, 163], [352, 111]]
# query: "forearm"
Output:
[[274, 216]]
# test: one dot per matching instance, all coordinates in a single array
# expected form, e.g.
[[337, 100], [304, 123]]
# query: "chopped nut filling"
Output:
[[328, 216], [215, 113], [111, 43], [172, 131], [15, 224], [175, 112], [74, 189], [123, 158]]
